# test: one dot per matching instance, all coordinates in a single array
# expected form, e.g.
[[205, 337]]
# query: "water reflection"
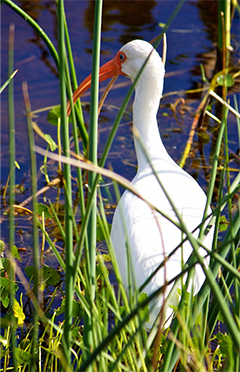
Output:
[[122, 21], [135, 16], [37, 10]]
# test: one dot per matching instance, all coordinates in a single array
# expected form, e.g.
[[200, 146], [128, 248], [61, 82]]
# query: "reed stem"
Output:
[[93, 136], [69, 286], [11, 190]]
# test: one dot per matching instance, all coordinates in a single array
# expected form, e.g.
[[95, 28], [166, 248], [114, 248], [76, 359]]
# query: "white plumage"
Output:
[[152, 237], [149, 235]]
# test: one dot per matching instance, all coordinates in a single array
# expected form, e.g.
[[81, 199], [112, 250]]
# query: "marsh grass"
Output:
[[102, 328]]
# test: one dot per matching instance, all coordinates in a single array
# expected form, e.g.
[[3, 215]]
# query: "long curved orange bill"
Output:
[[110, 69]]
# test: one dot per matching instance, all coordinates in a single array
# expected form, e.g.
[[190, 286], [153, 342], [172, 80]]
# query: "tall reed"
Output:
[[113, 336], [11, 189], [36, 255], [92, 194], [67, 188]]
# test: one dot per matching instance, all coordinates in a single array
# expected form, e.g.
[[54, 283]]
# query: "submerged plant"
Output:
[[75, 318]]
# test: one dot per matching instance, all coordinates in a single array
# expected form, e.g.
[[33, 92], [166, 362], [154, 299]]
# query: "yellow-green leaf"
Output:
[[18, 312], [54, 115], [42, 208], [227, 81]]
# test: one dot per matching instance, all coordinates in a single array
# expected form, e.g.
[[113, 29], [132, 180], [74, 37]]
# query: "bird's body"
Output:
[[138, 231], [151, 237]]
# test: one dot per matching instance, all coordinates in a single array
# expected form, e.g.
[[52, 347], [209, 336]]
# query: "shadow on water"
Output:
[[191, 42]]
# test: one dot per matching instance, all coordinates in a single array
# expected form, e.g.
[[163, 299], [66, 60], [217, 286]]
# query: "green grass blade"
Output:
[[214, 171], [126, 347], [79, 115], [93, 134], [224, 26], [71, 65], [67, 189], [92, 201], [76, 114], [8, 81], [36, 27], [11, 190], [36, 257], [170, 20]]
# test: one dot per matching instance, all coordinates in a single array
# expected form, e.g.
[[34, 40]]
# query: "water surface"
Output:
[[191, 40]]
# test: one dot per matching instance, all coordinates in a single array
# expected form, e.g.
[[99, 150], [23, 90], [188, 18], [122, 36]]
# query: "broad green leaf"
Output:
[[1, 263], [199, 319], [5, 264], [3, 341], [18, 312], [61, 309], [2, 246], [51, 142], [5, 299], [145, 310], [104, 257], [223, 223], [100, 235], [54, 115], [76, 334], [77, 311], [225, 343], [42, 208], [15, 253], [29, 270], [23, 357], [44, 136], [51, 275], [5, 291], [229, 81], [204, 136]]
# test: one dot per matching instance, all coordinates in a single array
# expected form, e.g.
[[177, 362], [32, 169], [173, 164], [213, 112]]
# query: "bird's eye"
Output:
[[122, 57]]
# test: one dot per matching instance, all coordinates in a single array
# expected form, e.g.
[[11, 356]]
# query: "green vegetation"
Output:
[[96, 327]]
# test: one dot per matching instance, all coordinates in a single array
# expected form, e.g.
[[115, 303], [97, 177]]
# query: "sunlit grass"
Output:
[[96, 326]]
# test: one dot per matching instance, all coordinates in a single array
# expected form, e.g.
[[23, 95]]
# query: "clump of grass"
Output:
[[97, 327]]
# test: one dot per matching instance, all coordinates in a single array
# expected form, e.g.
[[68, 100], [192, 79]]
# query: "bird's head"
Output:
[[128, 62], [133, 56]]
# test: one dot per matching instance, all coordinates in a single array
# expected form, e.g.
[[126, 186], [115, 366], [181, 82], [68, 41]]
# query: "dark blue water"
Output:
[[191, 41]]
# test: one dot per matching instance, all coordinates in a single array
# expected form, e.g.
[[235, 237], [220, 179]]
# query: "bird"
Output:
[[142, 237]]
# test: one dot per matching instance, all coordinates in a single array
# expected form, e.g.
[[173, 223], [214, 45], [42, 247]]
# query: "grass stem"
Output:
[[36, 256], [68, 188], [93, 136], [11, 190]]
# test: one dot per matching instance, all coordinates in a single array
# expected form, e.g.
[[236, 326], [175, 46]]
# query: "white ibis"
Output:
[[149, 236]]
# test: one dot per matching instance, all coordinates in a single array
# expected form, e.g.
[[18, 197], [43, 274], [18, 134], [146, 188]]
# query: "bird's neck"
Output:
[[145, 109]]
